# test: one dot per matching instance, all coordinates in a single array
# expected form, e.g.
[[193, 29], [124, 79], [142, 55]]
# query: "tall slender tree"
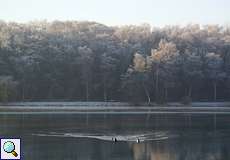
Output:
[[214, 71]]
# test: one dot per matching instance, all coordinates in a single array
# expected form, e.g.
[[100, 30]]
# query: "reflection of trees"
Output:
[[140, 151], [196, 148], [151, 151]]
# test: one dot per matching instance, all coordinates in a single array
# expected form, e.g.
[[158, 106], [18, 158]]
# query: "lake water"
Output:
[[89, 136]]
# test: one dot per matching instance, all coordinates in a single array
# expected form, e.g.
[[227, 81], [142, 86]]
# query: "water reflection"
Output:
[[188, 146], [162, 137], [192, 148]]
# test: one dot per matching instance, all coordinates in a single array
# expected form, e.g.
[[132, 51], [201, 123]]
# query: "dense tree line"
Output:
[[92, 62]]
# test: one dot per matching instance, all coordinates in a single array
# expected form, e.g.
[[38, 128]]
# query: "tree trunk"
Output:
[[23, 91], [153, 84], [87, 91], [104, 90], [190, 91], [214, 88], [166, 94], [156, 85], [50, 92], [146, 93], [105, 96]]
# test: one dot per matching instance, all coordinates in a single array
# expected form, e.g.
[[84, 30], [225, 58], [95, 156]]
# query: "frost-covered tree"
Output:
[[86, 63], [214, 71], [75, 60], [190, 71], [108, 66], [135, 79], [140, 67], [7, 88], [158, 63]]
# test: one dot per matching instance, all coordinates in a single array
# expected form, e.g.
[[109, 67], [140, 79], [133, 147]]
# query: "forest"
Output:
[[89, 61]]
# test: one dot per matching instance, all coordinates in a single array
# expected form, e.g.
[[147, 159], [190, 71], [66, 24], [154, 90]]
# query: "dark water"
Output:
[[89, 137]]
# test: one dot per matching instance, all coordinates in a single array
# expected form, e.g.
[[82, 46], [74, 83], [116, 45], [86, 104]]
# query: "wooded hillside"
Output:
[[88, 61]]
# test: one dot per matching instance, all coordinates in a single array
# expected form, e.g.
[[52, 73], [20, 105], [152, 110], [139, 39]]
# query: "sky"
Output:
[[119, 12]]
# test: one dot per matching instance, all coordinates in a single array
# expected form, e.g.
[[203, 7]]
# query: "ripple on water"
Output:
[[150, 136]]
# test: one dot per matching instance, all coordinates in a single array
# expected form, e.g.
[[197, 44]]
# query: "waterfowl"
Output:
[[114, 139]]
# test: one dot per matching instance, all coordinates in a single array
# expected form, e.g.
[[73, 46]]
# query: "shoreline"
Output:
[[112, 108]]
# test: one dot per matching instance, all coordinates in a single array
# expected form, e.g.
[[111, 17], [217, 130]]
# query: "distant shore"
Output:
[[113, 108]]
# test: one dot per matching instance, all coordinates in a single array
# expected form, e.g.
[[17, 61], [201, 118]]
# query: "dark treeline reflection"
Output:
[[89, 61]]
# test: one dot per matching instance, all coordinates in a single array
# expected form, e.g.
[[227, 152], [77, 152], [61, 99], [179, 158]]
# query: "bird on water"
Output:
[[114, 139]]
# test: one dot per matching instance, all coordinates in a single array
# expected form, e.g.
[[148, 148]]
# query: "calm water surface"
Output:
[[89, 137]]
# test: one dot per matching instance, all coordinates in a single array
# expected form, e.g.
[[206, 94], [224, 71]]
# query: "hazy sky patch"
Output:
[[119, 12]]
